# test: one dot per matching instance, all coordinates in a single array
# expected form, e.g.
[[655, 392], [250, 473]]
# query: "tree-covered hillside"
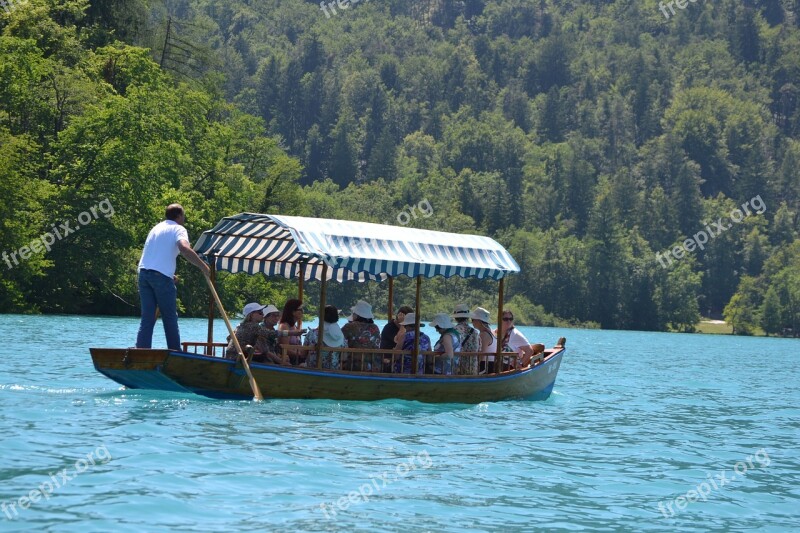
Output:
[[640, 161]]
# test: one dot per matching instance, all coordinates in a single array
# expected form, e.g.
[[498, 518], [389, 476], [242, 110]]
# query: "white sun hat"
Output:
[[252, 307], [480, 314], [362, 309], [410, 319], [442, 320], [271, 309]]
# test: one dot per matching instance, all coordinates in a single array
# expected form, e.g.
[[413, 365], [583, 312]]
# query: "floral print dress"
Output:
[[246, 333], [468, 366], [363, 335]]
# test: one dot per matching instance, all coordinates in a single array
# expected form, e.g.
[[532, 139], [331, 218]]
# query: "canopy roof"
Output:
[[278, 245]]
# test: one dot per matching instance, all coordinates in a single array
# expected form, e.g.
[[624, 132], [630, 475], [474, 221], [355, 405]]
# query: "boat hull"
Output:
[[222, 378]]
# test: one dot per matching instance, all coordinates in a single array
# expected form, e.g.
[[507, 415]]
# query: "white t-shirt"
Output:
[[517, 340], [161, 247]]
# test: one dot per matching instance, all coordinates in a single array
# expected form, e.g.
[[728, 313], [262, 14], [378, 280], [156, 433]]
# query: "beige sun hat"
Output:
[[461, 311]]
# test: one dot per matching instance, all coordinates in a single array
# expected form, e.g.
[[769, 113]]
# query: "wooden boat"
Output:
[[217, 377], [323, 250]]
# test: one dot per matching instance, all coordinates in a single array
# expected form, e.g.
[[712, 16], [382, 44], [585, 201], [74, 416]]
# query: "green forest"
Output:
[[598, 140]]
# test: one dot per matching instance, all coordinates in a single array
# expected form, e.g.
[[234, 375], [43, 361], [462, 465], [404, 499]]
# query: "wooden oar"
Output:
[[253, 384]]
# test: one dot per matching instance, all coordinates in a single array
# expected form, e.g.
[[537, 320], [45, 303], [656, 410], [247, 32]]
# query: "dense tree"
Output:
[[586, 136]]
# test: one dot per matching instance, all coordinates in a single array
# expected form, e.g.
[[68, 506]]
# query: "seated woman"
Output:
[[246, 332], [391, 328], [332, 337], [267, 346], [513, 341], [480, 319], [362, 332], [470, 341], [449, 344], [291, 317], [404, 340]]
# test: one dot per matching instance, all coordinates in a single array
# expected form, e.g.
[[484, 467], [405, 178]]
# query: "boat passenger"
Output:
[[267, 345], [246, 332], [449, 344], [470, 341], [362, 332], [389, 333], [332, 337], [480, 319], [157, 279], [291, 318], [392, 327], [404, 340], [513, 340]]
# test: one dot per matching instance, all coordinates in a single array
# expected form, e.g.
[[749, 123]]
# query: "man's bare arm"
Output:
[[186, 251]]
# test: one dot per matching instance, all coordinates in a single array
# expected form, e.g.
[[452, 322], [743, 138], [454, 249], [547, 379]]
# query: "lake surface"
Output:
[[644, 431]]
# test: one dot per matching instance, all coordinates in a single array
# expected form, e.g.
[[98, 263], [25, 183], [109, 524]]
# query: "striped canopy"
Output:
[[286, 246]]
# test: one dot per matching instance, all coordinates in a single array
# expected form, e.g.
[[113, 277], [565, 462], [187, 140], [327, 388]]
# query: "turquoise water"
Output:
[[636, 419]]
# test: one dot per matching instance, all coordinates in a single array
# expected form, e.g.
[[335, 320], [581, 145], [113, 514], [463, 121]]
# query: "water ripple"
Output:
[[625, 430]]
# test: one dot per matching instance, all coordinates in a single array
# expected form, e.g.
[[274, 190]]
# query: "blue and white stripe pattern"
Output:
[[283, 245]]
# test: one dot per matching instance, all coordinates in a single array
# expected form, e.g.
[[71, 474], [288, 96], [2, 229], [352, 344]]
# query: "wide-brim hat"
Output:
[[461, 311], [442, 320], [409, 320], [252, 307], [268, 310], [362, 309], [480, 314]]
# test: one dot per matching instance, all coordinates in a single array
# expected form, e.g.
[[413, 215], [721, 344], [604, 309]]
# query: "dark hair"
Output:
[[359, 318], [173, 211], [509, 312], [404, 309], [288, 310], [331, 314]]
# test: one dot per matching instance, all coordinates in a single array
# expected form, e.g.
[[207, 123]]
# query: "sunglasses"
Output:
[[508, 319]]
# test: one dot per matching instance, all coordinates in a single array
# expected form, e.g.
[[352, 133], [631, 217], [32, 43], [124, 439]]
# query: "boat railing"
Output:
[[211, 349], [384, 361]]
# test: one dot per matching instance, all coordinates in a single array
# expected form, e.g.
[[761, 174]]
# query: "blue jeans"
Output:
[[156, 289]]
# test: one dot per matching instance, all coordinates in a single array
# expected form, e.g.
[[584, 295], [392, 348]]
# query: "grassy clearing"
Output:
[[719, 329]]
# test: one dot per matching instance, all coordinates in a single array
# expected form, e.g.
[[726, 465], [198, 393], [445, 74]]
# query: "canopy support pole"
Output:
[[415, 353], [498, 361], [322, 290], [390, 307], [210, 335], [300, 281]]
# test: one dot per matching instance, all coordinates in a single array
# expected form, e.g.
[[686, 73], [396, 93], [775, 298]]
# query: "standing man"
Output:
[[157, 276]]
